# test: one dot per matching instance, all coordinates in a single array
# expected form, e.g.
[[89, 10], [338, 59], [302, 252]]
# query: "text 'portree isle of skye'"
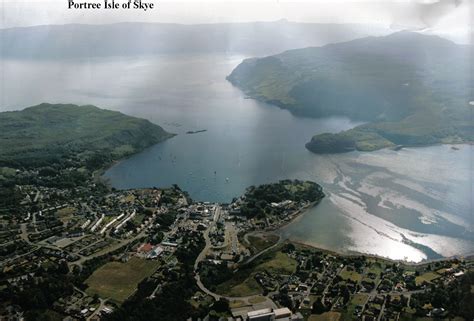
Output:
[[111, 4]]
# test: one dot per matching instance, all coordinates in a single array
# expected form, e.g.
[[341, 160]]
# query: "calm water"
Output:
[[412, 204]]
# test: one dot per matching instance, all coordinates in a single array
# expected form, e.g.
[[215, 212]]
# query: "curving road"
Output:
[[245, 299]]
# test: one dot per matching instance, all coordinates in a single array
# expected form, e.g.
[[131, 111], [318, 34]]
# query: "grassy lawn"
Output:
[[357, 299], [243, 283], [326, 316], [350, 275], [117, 281], [259, 243], [428, 277], [138, 219], [7, 172], [280, 263], [65, 214], [257, 299], [248, 287], [296, 188], [129, 198], [376, 267], [233, 304]]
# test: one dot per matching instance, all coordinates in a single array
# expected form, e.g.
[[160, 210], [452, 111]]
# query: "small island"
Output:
[[196, 131]]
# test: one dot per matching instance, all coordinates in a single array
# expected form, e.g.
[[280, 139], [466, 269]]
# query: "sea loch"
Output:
[[411, 204]]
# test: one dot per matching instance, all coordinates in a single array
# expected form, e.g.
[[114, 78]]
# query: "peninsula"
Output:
[[403, 86], [52, 133]]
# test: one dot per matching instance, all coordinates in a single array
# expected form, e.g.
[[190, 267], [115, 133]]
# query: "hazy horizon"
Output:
[[447, 18]]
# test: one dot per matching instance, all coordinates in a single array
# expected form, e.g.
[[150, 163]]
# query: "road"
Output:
[[108, 249], [208, 245], [202, 256], [245, 299], [98, 310], [280, 240]]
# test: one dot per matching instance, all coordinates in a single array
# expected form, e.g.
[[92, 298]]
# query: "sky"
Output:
[[453, 17]]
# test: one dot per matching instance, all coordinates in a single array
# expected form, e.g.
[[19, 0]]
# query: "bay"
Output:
[[412, 204]]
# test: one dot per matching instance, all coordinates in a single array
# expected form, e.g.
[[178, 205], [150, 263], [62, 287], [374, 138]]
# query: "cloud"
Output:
[[422, 15]]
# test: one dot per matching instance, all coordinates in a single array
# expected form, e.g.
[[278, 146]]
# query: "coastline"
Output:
[[98, 174], [352, 253], [394, 147], [375, 256], [298, 214], [295, 215], [283, 106]]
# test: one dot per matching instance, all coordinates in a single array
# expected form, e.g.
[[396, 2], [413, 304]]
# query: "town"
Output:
[[89, 253]]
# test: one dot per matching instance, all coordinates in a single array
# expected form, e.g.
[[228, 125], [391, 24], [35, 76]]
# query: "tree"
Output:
[[318, 307], [63, 268], [289, 248], [221, 305], [346, 294]]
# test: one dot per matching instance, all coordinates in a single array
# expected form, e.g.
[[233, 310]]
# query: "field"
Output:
[[248, 287], [261, 242], [426, 277], [350, 275], [280, 263], [257, 299], [66, 214], [326, 316], [117, 281], [233, 304], [243, 283], [357, 299]]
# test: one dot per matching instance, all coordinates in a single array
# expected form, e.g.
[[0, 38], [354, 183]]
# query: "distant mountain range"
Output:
[[412, 89], [131, 39]]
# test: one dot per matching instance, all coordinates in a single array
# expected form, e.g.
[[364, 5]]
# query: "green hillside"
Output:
[[47, 133], [411, 89]]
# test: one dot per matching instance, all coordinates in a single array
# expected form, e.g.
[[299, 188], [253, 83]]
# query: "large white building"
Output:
[[283, 314]]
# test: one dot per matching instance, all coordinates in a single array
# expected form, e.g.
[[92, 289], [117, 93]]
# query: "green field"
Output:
[[280, 263], [427, 277], [248, 287], [357, 299], [257, 299], [117, 281], [261, 242], [326, 316], [350, 275], [243, 283]]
